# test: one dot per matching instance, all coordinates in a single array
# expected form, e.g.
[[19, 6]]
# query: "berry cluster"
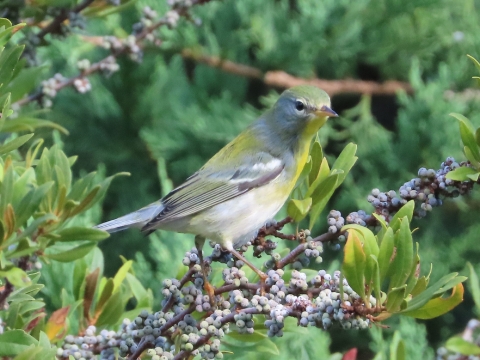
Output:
[[86, 347], [429, 189]]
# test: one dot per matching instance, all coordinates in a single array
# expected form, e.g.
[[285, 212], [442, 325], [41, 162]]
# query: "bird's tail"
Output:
[[135, 219]]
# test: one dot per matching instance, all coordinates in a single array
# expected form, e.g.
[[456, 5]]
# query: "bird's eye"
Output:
[[299, 105]]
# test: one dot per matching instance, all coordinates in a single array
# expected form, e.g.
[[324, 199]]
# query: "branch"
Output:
[[170, 19], [281, 79], [55, 25]]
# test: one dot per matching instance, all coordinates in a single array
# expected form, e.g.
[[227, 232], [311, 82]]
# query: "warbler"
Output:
[[246, 183]]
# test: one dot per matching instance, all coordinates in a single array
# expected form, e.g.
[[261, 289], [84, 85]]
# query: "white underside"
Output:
[[236, 221]]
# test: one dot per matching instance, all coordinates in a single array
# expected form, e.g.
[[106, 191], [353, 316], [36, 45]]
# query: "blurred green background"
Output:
[[162, 119]]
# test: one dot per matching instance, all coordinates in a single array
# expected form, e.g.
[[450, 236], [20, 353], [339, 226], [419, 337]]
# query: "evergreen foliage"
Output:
[[159, 114]]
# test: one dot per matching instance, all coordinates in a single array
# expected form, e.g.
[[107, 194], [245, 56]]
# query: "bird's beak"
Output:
[[326, 111]]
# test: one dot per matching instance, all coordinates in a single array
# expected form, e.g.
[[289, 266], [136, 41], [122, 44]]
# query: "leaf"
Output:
[[249, 338], [474, 286], [13, 342], [121, 274], [403, 261], [345, 161], [26, 80], [438, 306], [320, 197], [14, 144], [419, 287], [421, 299], [397, 347], [30, 203], [141, 294], [467, 134], [56, 325], [317, 157], [23, 123], [385, 254], [8, 62], [458, 345], [72, 254], [298, 209], [395, 298], [477, 136], [405, 210], [354, 263], [461, 173], [105, 295], [16, 276], [91, 281], [370, 245], [112, 311], [81, 233], [475, 62]]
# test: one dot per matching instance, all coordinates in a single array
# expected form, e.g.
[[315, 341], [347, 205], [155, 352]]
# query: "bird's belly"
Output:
[[237, 221]]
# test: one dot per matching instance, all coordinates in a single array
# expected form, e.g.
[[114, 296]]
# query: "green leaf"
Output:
[[419, 287], [16, 276], [422, 298], [458, 345], [405, 210], [395, 298], [34, 225], [6, 191], [72, 254], [320, 197], [13, 342], [143, 296], [474, 286], [370, 245], [25, 123], [30, 203], [438, 306], [461, 173], [26, 80], [317, 157], [385, 255], [121, 274], [112, 311], [80, 233], [477, 136], [467, 134], [298, 209], [354, 264], [403, 249], [14, 144], [397, 347], [475, 62], [249, 338], [345, 161], [8, 62]]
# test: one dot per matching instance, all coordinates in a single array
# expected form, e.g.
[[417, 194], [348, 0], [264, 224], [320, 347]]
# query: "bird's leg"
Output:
[[199, 242], [259, 272]]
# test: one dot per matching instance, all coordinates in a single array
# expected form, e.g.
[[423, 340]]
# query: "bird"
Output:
[[243, 186]]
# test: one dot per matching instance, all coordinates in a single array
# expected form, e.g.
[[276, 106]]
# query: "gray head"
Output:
[[302, 110]]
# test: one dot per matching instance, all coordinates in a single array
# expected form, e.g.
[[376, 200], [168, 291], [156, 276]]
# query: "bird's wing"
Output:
[[205, 189]]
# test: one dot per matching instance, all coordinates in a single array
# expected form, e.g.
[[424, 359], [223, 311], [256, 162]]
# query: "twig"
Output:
[[144, 345], [181, 11], [292, 255], [183, 281], [204, 339], [281, 79], [55, 25]]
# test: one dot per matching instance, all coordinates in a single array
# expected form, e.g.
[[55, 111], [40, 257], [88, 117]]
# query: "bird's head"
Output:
[[303, 110]]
